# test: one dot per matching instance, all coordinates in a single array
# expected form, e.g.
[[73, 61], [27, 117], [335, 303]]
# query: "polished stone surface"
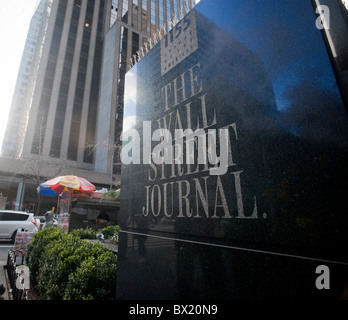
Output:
[[259, 227]]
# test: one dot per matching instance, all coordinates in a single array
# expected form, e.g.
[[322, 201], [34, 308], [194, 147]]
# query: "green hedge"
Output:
[[65, 267], [85, 233], [36, 249], [110, 232]]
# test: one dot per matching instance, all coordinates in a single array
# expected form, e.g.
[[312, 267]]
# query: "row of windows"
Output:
[[80, 85], [65, 85], [161, 13], [166, 10], [158, 12], [92, 111], [41, 120]]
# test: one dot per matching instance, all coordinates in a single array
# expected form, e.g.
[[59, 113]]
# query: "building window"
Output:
[[181, 10], [41, 119], [175, 9], [114, 11], [169, 16], [135, 43], [135, 9], [93, 100], [80, 86], [144, 16], [161, 14], [153, 16], [125, 11], [64, 86]]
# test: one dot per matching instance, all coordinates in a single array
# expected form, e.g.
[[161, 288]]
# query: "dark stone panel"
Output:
[[261, 224], [161, 268]]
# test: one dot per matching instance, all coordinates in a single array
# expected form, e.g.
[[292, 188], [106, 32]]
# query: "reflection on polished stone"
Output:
[[260, 72]]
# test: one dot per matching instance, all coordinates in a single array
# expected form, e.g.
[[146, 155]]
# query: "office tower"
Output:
[[67, 109], [132, 24], [68, 104], [60, 120]]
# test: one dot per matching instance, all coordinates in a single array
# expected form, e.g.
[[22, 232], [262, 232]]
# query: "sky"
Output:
[[15, 16]]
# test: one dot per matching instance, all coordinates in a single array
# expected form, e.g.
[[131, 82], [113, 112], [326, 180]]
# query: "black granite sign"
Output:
[[235, 153]]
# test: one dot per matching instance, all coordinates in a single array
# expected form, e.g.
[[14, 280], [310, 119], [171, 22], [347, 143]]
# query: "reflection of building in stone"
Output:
[[189, 89], [283, 193], [236, 64], [134, 22]]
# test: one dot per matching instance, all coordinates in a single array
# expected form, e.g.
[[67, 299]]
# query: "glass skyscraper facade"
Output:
[[18, 118], [60, 119], [67, 108], [65, 75], [132, 24], [62, 116]]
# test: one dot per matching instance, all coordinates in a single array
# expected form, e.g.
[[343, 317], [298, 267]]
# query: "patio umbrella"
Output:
[[67, 183], [46, 190]]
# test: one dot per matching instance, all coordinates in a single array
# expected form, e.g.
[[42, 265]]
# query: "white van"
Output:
[[11, 220]]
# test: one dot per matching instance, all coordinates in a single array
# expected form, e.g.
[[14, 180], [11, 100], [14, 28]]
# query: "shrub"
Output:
[[111, 232], [57, 262], [67, 267], [36, 248], [95, 279], [85, 233]]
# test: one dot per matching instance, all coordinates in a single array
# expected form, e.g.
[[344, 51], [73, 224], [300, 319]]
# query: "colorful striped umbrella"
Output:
[[46, 190], [67, 183]]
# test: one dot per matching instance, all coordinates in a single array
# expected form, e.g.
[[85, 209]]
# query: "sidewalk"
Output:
[[3, 280]]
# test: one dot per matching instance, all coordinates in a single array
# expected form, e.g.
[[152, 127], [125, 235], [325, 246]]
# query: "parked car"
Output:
[[11, 220]]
